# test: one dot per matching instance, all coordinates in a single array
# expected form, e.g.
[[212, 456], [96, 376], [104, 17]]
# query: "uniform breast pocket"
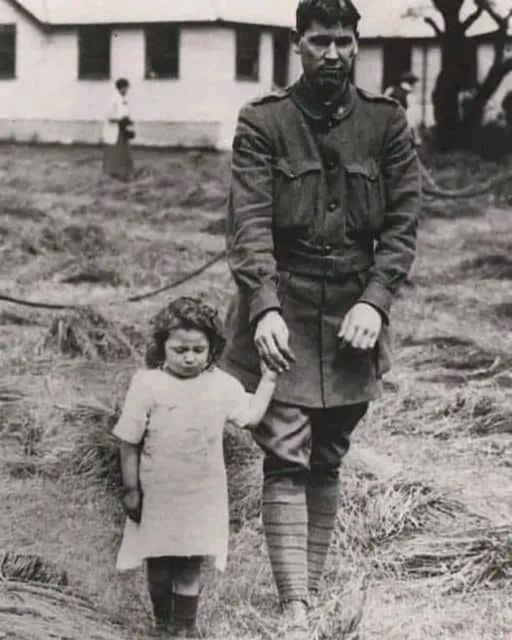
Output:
[[296, 188], [365, 195]]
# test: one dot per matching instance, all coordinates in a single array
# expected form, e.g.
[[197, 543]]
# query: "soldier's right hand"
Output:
[[272, 342]]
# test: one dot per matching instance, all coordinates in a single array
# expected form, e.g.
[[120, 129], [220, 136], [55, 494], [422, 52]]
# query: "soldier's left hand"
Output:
[[361, 326]]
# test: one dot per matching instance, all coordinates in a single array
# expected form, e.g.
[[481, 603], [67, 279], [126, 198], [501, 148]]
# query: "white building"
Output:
[[191, 63]]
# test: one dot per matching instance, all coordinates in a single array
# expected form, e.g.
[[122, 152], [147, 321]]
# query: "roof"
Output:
[[380, 18], [279, 13]]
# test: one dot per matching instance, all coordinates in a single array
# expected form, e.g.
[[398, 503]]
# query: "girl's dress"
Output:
[[179, 424]]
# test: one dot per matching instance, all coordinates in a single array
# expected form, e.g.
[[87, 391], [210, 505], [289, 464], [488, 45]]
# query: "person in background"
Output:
[[321, 234], [117, 133], [175, 488], [403, 89], [506, 105]]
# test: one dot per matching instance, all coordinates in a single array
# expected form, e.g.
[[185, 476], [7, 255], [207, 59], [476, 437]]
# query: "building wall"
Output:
[[369, 67], [47, 101]]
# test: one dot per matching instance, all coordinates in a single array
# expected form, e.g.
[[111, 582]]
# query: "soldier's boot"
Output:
[[285, 522], [322, 495]]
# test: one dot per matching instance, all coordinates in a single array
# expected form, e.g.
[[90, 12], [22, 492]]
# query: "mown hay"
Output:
[[30, 568], [95, 455], [480, 556], [494, 422], [373, 513], [491, 265], [340, 613], [451, 209], [42, 612], [462, 359], [85, 332], [215, 227], [91, 273], [8, 318]]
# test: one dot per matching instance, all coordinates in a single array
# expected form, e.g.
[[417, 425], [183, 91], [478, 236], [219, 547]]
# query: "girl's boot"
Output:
[[160, 591], [185, 615]]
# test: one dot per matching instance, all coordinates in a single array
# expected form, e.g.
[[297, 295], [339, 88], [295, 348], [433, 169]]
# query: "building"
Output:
[[396, 38], [191, 63]]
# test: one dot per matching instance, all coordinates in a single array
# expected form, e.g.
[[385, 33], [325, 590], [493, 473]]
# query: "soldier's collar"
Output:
[[307, 100]]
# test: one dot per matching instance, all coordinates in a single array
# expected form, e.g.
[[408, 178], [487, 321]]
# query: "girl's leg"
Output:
[[187, 575], [160, 584]]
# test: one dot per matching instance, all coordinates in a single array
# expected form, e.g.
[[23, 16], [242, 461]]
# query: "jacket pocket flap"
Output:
[[295, 167], [367, 168]]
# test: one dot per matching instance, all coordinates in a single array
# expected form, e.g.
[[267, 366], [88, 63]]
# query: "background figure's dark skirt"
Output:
[[117, 160]]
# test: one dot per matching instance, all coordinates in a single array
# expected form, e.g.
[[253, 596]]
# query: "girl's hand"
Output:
[[267, 373], [132, 503]]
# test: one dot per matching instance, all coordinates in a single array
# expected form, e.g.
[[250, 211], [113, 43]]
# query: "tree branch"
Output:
[[472, 18], [488, 7], [430, 21]]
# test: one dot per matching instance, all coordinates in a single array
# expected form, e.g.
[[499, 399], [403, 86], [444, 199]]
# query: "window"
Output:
[[397, 60], [162, 51], [247, 53], [94, 52], [281, 57], [7, 51]]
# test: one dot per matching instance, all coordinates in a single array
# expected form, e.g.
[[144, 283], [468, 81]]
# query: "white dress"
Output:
[[179, 424]]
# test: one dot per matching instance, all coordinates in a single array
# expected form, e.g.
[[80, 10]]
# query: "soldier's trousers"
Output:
[[303, 449]]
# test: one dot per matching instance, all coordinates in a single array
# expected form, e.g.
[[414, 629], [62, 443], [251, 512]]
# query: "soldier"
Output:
[[321, 234]]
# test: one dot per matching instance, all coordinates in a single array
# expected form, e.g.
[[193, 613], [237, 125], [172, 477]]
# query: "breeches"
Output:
[[299, 439]]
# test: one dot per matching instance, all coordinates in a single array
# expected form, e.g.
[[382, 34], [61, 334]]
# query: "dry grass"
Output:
[[464, 561], [86, 332], [435, 447]]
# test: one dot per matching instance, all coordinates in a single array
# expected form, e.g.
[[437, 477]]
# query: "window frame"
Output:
[[89, 30], [10, 29], [175, 73], [241, 48]]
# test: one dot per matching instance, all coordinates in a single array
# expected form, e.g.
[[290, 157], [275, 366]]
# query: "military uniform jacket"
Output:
[[322, 214]]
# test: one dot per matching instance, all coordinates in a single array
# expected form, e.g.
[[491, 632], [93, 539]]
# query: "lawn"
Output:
[[423, 547]]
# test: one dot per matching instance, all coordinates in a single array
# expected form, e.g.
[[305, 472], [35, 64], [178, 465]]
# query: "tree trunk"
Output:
[[445, 98]]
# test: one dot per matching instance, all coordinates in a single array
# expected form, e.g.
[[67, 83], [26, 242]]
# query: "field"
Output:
[[423, 548]]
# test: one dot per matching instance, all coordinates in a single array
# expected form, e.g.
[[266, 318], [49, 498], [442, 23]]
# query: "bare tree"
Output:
[[501, 66], [455, 126]]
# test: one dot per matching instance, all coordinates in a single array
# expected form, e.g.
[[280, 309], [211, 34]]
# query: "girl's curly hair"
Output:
[[184, 313]]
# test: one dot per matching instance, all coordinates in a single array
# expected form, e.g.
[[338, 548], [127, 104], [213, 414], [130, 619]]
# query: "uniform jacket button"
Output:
[[327, 249], [333, 206]]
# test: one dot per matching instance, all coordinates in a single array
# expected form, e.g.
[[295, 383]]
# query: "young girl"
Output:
[[175, 490]]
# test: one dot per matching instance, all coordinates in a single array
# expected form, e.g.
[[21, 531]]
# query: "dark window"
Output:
[[7, 51], [94, 52], [281, 57], [162, 51], [247, 53], [397, 60]]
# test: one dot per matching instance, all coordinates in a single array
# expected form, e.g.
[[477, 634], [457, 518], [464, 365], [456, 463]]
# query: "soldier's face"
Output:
[[327, 55]]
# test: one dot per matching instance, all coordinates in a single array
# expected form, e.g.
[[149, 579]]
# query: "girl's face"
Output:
[[187, 352]]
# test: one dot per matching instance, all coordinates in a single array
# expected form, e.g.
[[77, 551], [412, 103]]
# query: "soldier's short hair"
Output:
[[326, 12]]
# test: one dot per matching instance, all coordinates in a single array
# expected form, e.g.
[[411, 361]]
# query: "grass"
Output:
[[422, 547]]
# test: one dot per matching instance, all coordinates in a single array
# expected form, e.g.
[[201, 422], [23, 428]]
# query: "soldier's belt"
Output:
[[323, 266]]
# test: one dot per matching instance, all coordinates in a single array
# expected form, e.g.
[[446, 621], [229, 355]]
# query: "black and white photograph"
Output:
[[255, 319]]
